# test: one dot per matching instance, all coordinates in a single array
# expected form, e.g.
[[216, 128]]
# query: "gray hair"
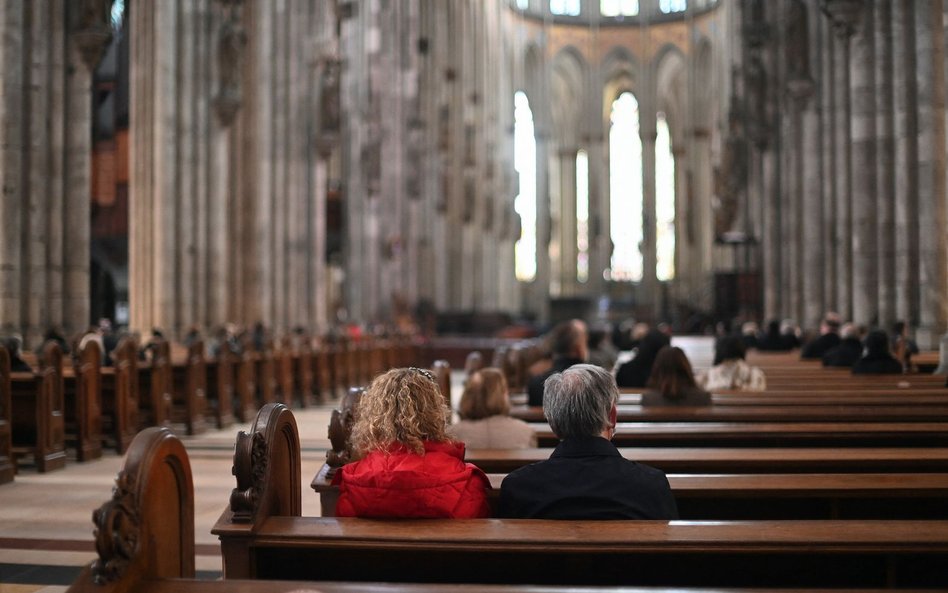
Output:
[[577, 401]]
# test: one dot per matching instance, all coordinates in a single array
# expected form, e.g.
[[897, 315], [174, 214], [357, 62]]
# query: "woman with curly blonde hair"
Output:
[[407, 464], [484, 421]]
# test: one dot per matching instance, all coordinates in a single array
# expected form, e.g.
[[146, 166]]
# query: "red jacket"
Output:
[[400, 483]]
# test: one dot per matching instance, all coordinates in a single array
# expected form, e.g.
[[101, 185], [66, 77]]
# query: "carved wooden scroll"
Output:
[[117, 531], [340, 430]]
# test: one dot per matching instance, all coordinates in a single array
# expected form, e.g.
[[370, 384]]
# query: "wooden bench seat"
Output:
[[263, 536], [7, 461], [771, 496], [736, 460], [82, 391], [769, 434], [120, 396], [771, 413]]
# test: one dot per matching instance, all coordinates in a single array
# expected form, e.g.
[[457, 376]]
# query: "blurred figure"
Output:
[[877, 360], [672, 382], [601, 351], [568, 344], [903, 346], [829, 338], [773, 340], [749, 334], [483, 410], [732, 373], [849, 349], [636, 372], [13, 344], [790, 334]]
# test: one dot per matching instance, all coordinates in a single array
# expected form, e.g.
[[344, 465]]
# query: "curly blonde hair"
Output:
[[401, 406], [485, 395]]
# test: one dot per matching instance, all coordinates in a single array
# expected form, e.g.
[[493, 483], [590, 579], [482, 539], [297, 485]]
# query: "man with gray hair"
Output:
[[586, 477]]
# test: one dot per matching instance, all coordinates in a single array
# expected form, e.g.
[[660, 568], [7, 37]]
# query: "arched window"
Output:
[[565, 7], [525, 162], [664, 201], [614, 8], [582, 216], [625, 190]]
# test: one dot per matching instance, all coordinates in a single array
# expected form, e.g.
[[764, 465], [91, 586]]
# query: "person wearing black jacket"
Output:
[[637, 371], [568, 342], [877, 360], [848, 351]]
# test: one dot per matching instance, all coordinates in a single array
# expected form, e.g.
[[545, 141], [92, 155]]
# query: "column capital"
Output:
[[92, 30]]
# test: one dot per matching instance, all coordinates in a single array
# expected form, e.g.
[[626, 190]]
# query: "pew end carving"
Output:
[[146, 530], [340, 430]]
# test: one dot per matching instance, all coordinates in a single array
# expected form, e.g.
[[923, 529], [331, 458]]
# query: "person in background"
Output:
[[790, 334], [672, 382], [407, 465], [829, 338], [749, 334], [773, 340], [877, 360], [636, 372], [903, 346], [732, 373], [849, 349], [568, 344], [601, 351], [13, 344], [483, 411], [586, 477]]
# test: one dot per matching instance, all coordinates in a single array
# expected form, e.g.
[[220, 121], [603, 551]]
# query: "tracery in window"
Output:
[[565, 7], [670, 6]]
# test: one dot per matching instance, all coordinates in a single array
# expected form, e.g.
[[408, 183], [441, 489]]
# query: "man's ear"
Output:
[[613, 415]]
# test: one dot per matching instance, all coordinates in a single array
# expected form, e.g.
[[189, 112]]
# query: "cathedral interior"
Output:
[[191, 163]]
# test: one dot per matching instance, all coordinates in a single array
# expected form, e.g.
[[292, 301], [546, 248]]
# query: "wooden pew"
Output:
[[38, 411], [283, 367], [120, 389], [82, 389], [304, 364], [770, 496], [156, 386], [7, 466], [769, 434], [246, 386], [737, 460], [265, 373], [190, 390], [790, 398], [221, 379], [816, 412], [263, 536], [153, 509]]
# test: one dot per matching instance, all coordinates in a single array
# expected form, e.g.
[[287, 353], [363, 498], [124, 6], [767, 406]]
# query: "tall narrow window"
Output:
[[523, 4], [625, 190], [582, 216], [525, 162], [664, 201], [565, 7]]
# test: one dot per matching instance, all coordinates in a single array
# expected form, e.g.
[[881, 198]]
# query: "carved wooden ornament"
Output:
[[250, 468], [117, 531]]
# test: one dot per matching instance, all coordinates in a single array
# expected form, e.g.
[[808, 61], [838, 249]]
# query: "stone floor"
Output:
[[46, 519]]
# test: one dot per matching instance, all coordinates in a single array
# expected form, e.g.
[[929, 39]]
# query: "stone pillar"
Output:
[[831, 161], [906, 161], [844, 14], [863, 125], [566, 239], [650, 292], [813, 172], [932, 223], [703, 217], [885, 162], [540, 290]]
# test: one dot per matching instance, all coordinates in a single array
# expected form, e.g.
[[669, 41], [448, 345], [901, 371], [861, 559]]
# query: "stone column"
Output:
[[650, 292], [863, 126], [844, 14], [813, 172], [703, 218], [540, 290], [932, 223], [906, 161], [37, 168], [567, 222], [885, 163], [830, 167]]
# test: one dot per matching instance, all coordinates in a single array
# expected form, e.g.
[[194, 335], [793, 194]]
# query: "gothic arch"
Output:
[[567, 92], [671, 88]]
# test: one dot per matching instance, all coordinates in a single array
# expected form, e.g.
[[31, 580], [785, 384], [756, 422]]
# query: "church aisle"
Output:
[[46, 519]]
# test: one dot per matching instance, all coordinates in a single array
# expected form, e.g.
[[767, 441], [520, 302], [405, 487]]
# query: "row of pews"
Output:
[[842, 487], [78, 404]]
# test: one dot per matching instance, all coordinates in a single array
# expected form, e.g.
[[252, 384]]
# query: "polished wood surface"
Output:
[[38, 411], [7, 461]]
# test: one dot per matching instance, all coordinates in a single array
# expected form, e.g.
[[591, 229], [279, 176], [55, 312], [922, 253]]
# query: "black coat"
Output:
[[845, 354], [587, 478], [820, 346], [877, 366]]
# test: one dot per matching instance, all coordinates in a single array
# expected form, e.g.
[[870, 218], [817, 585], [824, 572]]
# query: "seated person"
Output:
[[848, 351], [601, 352], [673, 383], [773, 339], [877, 360], [407, 464], [586, 477], [829, 338], [568, 344], [17, 364], [903, 347], [484, 421], [732, 373], [636, 372]]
